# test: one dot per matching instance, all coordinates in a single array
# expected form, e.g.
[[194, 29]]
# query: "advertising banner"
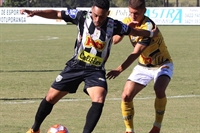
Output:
[[160, 15]]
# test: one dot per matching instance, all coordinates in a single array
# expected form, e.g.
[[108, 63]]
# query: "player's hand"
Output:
[[113, 74], [29, 12], [155, 31], [132, 24]]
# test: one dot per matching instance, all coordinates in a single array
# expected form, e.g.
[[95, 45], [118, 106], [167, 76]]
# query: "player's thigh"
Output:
[[69, 80], [131, 89], [163, 77], [97, 94], [96, 85], [53, 95], [161, 83]]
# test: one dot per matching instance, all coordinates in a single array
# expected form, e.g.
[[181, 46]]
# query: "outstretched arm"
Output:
[[50, 14], [139, 48], [141, 32], [117, 38]]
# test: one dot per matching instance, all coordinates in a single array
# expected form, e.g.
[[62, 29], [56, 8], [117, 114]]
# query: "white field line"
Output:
[[108, 99], [42, 38]]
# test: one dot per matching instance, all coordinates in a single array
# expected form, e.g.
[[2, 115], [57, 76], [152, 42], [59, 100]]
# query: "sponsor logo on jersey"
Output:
[[90, 58], [97, 44], [147, 60], [72, 13]]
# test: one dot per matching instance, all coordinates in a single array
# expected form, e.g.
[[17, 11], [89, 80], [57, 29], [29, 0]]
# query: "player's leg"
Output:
[[127, 107], [62, 83], [97, 95], [160, 101], [97, 90], [46, 105], [164, 75], [137, 80]]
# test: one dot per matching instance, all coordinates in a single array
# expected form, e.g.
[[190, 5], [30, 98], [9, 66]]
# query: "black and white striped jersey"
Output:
[[93, 44]]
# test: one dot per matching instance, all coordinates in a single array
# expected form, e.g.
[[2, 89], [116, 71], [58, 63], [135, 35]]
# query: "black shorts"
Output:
[[71, 77]]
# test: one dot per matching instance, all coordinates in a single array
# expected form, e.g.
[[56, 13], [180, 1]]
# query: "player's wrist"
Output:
[[120, 69]]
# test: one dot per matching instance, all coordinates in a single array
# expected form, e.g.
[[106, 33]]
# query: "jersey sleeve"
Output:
[[126, 20], [146, 25], [72, 15], [121, 28]]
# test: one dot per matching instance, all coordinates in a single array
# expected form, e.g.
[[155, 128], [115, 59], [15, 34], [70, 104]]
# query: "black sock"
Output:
[[93, 116], [43, 110]]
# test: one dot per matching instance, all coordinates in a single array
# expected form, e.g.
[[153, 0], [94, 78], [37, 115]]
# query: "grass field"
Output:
[[31, 56], [184, 3]]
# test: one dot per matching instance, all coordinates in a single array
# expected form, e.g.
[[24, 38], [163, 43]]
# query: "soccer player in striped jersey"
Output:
[[91, 51], [154, 63]]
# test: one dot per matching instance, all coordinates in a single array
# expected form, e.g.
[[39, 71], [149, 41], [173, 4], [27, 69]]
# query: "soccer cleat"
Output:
[[31, 131], [155, 130]]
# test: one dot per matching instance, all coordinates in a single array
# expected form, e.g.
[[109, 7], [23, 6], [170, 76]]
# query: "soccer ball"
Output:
[[58, 129]]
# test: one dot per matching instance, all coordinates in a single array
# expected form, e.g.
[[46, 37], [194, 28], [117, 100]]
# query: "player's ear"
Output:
[[108, 13], [145, 10]]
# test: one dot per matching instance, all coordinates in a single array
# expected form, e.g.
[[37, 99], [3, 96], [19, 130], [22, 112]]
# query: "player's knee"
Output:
[[126, 98], [160, 93]]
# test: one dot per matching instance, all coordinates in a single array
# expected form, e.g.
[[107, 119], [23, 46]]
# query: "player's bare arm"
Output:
[[140, 32], [139, 48], [50, 14], [117, 38]]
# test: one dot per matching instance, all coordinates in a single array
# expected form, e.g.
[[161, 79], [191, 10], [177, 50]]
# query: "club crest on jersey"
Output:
[[97, 44], [72, 13]]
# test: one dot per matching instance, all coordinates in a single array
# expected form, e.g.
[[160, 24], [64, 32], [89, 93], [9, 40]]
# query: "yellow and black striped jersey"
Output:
[[156, 53]]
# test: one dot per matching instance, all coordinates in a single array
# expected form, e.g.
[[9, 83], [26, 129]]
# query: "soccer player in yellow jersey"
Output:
[[154, 63]]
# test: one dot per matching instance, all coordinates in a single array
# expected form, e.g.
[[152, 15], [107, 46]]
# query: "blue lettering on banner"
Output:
[[165, 15]]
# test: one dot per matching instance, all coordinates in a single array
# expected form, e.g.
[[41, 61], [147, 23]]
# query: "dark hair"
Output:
[[103, 4], [137, 4]]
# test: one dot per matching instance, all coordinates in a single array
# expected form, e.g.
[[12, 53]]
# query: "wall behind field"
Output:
[[160, 15]]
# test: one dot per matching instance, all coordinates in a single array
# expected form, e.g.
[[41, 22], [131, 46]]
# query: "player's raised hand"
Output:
[[29, 12]]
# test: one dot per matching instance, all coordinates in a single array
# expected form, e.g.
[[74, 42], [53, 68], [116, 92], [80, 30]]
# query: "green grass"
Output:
[[31, 56], [184, 3]]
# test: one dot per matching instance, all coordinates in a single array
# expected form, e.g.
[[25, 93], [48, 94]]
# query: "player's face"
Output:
[[99, 16], [137, 14]]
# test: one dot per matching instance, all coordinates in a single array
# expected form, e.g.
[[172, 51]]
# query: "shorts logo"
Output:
[[72, 13], [102, 79], [59, 78]]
